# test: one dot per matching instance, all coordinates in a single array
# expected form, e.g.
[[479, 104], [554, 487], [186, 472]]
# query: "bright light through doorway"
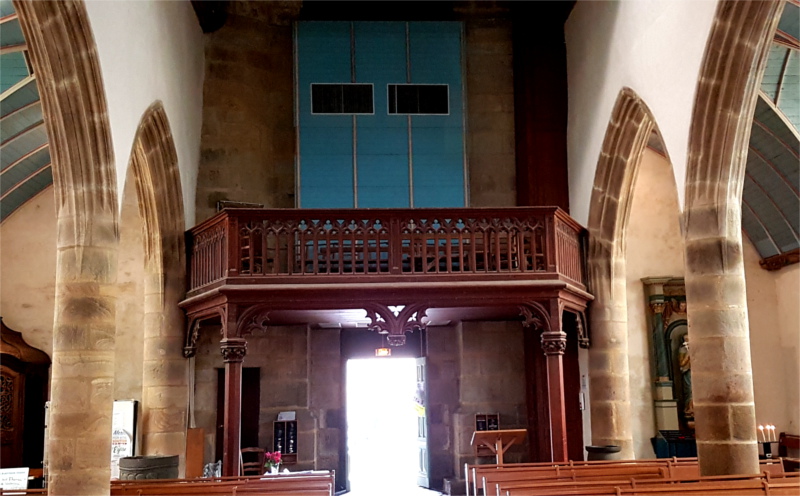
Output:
[[382, 427]]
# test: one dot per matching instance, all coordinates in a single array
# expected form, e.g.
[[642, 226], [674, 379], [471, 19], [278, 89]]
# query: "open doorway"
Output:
[[383, 421]]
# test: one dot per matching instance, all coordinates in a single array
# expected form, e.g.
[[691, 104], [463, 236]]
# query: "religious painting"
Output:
[[672, 369]]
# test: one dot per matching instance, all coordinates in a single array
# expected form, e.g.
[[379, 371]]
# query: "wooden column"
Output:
[[233, 352], [554, 343]]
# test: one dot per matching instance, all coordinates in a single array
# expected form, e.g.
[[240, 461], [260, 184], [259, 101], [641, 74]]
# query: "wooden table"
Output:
[[498, 441]]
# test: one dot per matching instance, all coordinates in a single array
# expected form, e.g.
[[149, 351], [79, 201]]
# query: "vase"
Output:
[[273, 469]]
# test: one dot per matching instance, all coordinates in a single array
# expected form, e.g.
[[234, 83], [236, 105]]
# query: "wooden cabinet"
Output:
[[285, 440]]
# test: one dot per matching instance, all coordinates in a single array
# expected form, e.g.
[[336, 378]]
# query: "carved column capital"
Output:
[[554, 343], [233, 349], [657, 306]]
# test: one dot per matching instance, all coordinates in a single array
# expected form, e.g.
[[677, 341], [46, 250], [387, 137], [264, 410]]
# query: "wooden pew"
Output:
[[785, 443], [754, 482], [489, 476], [298, 483], [474, 474]]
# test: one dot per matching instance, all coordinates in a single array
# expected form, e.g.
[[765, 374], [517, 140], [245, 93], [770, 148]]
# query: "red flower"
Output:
[[272, 458]]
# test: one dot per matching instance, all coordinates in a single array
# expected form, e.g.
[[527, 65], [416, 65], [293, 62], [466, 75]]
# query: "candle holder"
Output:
[[766, 447]]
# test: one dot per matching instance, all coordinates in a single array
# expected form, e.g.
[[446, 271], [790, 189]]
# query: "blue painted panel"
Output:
[[435, 55], [326, 141], [438, 145], [438, 180], [382, 181], [382, 138]]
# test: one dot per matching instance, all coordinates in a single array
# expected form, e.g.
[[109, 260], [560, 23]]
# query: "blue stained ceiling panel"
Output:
[[773, 71], [11, 33], [789, 98], [13, 69], [790, 20], [23, 169], [778, 187], [17, 148], [24, 96], [6, 8], [769, 214], [756, 233], [28, 190], [21, 120]]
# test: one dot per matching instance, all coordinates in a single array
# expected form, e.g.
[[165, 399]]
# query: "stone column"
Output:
[[233, 352], [608, 363], [554, 342], [164, 383], [727, 91], [722, 374], [82, 382]]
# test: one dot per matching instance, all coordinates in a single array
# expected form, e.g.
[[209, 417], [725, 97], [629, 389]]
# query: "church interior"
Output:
[[390, 243]]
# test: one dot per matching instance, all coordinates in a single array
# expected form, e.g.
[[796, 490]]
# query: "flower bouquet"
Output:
[[272, 461]]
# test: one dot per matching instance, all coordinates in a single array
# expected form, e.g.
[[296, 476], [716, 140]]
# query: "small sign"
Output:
[[383, 352], [287, 416], [14, 478]]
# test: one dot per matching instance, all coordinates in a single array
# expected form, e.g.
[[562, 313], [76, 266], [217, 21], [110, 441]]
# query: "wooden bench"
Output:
[[488, 477], [474, 474], [610, 486], [300, 483], [786, 442]]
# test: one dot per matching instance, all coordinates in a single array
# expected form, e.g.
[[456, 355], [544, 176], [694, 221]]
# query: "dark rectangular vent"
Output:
[[418, 99], [342, 99]]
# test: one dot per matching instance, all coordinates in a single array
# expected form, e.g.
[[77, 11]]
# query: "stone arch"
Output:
[[64, 57], [629, 130], [727, 88], [154, 169]]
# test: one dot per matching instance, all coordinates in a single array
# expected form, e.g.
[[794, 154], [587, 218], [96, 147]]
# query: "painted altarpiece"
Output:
[[669, 340]]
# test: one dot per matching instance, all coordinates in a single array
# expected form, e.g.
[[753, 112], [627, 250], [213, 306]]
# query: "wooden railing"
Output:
[[263, 244]]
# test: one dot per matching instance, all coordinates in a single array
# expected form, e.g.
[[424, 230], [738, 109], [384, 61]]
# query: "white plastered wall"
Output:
[[152, 50], [28, 270], [654, 47], [654, 249], [774, 314]]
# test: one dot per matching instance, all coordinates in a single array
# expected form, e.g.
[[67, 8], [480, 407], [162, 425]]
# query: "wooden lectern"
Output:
[[498, 442]]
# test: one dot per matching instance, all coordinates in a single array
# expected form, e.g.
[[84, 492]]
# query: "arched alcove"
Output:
[[630, 128]]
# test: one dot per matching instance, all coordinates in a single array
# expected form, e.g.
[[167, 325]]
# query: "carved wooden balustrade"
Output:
[[268, 246]]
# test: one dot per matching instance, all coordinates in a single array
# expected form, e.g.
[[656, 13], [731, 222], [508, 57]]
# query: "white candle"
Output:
[[761, 428]]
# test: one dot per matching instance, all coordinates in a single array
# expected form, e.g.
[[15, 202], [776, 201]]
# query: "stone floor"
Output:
[[391, 490]]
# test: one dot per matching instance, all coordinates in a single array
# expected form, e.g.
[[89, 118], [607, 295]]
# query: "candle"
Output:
[[761, 428]]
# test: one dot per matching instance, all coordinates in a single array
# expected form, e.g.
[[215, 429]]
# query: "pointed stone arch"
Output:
[[154, 169], [629, 129], [64, 58], [727, 89]]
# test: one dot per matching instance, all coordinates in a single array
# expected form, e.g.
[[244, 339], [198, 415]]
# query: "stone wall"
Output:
[[490, 113], [492, 380], [444, 385], [248, 137], [300, 371]]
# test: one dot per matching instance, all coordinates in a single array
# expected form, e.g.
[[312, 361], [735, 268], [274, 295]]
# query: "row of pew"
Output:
[[312, 483], [673, 476]]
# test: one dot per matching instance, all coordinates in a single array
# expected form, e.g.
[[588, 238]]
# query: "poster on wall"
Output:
[[123, 433], [14, 478]]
